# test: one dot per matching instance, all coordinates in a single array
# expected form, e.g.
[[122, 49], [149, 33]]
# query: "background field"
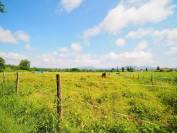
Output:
[[121, 102]]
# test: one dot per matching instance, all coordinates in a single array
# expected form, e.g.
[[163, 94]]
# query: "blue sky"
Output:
[[101, 33]]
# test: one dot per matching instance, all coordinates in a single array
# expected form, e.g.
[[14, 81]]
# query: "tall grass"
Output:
[[118, 103]]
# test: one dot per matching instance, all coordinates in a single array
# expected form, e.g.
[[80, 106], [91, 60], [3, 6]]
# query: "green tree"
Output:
[[75, 70], [130, 69], [2, 7], [2, 63], [113, 70], [24, 64], [123, 69], [158, 68]]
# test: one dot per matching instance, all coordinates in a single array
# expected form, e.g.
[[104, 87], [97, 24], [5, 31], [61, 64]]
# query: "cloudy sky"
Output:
[[98, 33]]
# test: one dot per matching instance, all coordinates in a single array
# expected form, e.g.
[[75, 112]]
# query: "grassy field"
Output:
[[125, 102]]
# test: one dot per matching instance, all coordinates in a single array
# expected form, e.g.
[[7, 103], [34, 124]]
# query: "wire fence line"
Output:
[[129, 117], [102, 82], [126, 116], [116, 83], [124, 75]]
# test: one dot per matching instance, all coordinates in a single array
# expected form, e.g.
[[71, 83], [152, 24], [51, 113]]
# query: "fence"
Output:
[[59, 106]]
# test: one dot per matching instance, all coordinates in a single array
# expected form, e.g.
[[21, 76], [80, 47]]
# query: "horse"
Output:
[[103, 75]]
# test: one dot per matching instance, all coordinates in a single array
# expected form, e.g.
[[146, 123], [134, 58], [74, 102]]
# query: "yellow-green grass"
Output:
[[121, 102]]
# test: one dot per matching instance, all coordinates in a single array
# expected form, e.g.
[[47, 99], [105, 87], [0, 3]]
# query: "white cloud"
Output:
[[12, 57], [69, 5], [63, 50], [28, 46], [141, 46], [67, 57], [22, 36], [91, 32], [140, 33], [165, 36], [130, 58], [6, 36], [172, 50], [139, 56], [123, 15], [169, 35], [9, 37], [72, 57], [120, 42], [63, 60], [172, 36], [74, 47]]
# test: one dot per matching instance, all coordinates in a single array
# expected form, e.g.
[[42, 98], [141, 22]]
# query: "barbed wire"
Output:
[[117, 84], [111, 82], [128, 117]]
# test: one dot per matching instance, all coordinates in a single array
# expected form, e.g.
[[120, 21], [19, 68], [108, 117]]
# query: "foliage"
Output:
[[146, 69], [158, 68], [2, 63], [24, 64], [2, 7], [75, 70], [123, 69], [130, 69]]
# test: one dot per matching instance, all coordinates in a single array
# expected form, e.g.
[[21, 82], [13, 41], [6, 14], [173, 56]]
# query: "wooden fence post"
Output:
[[3, 80], [17, 83], [59, 96], [151, 79]]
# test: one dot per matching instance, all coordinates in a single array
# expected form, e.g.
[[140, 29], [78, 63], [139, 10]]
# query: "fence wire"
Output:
[[128, 117]]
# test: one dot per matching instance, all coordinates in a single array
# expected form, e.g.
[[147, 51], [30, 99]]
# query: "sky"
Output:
[[89, 33]]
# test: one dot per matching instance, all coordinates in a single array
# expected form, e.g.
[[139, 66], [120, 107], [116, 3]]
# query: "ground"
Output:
[[121, 102]]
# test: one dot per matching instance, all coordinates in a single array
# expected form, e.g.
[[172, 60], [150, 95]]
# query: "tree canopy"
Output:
[[130, 69], [2, 7], [24, 64], [2, 63], [158, 68]]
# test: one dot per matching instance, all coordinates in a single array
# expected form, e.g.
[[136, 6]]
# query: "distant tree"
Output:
[[130, 69], [113, 70], [11, 67], [2, 7], [146, 69], [24, 64], [2, 63], [123, 69], [75, 70], [158, 68]]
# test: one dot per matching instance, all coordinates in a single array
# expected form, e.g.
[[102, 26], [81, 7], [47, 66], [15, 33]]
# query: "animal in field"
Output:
[[103, 75]]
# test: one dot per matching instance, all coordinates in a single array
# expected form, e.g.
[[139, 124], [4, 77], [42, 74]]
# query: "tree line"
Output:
[[23, 65]]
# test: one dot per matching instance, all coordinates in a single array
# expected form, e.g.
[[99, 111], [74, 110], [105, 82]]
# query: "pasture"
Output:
[[121, 102]]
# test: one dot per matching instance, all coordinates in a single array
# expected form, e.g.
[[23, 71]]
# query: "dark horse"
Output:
[[103, 75]]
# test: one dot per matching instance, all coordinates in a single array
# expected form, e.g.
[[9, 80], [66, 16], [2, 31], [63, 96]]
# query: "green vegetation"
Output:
[[24, 65], [130, 69], [125, 102], [2, 64], [2, 7]]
